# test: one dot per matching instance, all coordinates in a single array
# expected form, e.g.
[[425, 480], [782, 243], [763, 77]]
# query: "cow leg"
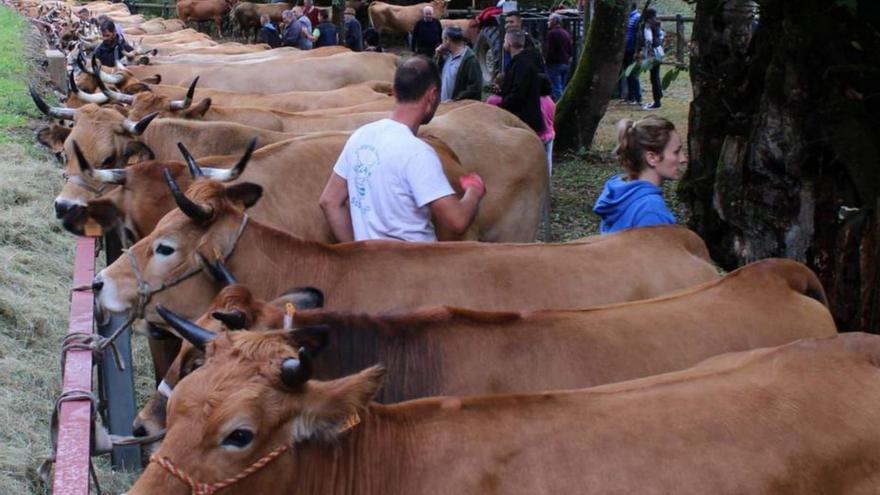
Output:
[[218, 20]]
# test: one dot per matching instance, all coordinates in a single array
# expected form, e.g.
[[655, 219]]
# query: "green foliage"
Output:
[[671, 76], [15, 107]]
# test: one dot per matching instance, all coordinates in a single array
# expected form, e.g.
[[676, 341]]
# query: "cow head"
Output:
[[145, 198], [107, 139], [209, 219], [233, 309], [252, 395]]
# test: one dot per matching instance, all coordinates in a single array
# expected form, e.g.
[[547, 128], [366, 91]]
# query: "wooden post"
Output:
[[57, 69], [679, 38]]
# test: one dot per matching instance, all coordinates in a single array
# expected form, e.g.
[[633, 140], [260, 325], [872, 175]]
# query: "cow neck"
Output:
[[274, 261]]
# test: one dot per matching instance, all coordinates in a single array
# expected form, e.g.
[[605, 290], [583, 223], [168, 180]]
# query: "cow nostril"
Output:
[[97, 285], [61, 209], [139, 431]]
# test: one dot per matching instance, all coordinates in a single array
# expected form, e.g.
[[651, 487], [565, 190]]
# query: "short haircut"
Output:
[[515, 13], [517, 38], [556, 18], [414, 77], [428, 8], [107, 26], [324, 15], [264, 18], [454, 33], [650, 13]]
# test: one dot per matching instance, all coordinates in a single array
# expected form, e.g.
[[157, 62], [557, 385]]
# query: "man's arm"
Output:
[[334, 203], [473, 88], [456, 215]]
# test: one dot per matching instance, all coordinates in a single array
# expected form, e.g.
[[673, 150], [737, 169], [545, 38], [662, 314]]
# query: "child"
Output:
[[548, 112]]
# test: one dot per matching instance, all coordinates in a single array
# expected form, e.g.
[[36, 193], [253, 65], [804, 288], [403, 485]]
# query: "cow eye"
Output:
[[108, 161], [164, 250], [238, 439]]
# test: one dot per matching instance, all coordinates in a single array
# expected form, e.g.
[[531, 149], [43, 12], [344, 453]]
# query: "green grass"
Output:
[[15, 105]]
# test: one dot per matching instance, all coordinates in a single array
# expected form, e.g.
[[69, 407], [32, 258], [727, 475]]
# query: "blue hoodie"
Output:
[[632, 203]]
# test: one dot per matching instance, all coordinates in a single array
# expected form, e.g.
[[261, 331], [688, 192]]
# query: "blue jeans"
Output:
[[558, 74], [633, 87]]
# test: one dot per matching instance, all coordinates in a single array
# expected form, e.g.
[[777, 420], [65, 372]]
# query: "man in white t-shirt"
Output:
[[391, 180]]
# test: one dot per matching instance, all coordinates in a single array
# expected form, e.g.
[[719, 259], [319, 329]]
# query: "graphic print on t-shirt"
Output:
[[366, 158]]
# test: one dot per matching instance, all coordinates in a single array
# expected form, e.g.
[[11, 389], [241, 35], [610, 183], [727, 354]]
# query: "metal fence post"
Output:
[[117, 387], [679, 38]]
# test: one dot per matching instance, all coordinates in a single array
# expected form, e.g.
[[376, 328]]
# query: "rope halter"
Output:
[[209, 488]]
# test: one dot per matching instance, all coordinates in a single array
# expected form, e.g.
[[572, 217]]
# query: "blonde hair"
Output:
[[634, 138]]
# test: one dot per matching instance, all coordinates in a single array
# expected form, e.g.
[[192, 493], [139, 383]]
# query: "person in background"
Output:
[[388, 183], [520, 90], [305, 40], [558, 51], [268, 32], [372, 42], [633, 88], [112, 47], [654, 53], [459, 70], [312, 12], [292, 29], [353, 39], [117, 27], [427, 33], [650, 152], [324, 33], [548, 113], [513, 21]]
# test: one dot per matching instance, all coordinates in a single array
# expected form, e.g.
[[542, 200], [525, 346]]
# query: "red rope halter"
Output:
[[210, 488]]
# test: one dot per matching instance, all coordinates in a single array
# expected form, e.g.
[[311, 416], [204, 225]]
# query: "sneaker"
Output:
[[632, 102], [651, 106]]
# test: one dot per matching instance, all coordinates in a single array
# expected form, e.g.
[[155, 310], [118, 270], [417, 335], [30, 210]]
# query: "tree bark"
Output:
[[783, 139], [586, 97]]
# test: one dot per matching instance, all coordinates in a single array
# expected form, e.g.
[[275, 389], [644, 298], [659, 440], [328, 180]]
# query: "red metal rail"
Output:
[[74, 421]]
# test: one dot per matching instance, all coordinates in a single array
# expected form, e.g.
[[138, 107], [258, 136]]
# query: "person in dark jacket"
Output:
[[353, 38], [633, 87], [325, 31], [650, 152], [111, 49], [558, 49], [268, 33], [427, 33], [514, 21], [292, 29], [459, 70], [372, 42], [521, 88]]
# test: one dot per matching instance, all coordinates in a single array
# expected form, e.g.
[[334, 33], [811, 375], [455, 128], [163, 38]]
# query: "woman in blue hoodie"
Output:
[[650, 153]]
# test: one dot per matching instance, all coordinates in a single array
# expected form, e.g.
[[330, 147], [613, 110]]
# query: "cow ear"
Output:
[[133, 89], [198, 110], [245, 193], [104, 212], [139, 150], [53, 137], [329, 408], [313, 338]]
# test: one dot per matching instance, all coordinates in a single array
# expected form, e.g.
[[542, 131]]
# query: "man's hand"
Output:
[[473, 180]]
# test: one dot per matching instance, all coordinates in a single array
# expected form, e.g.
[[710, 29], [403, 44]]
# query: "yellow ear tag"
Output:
[[289, 311], [93, 229], [217, 255]]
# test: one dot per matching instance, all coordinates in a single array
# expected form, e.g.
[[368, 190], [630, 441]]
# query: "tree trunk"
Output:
[[784, 135], [586, 97]]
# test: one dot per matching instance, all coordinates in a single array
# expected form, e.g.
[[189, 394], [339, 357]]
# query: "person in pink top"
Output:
[[548, 112]]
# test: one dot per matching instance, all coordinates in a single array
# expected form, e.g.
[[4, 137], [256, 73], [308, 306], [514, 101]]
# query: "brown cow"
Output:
[[391, 275], [307, 71], [799, 418], [203, 10], [401, 19], [451, 351], [247, 15]]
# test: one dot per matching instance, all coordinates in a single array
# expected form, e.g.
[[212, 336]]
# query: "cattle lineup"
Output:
[[287, 362]]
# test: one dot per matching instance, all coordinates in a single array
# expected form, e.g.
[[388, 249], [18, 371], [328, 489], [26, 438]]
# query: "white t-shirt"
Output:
[[392, 176]]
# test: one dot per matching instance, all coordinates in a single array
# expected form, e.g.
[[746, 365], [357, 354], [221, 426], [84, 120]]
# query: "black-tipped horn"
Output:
[[218, 270], [194, 334], [187, 101], [81, 63], [237, 170], [97, 72], [138, 128], [83, 163], [188, 207], [55, 112], [191, 164], [113, 95], [233, 320], [295, 372], [97, 98]]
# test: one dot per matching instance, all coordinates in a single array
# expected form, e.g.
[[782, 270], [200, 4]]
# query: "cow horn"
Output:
[[234, 320], [295, 372], [109, 176], [191, 209], [226, 175], [114, 95], [81, 63], [186, 102], [191, 164], [97, 98], [56, 112], [218, 270], [108, 78], [138, 128], [194, 334]]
